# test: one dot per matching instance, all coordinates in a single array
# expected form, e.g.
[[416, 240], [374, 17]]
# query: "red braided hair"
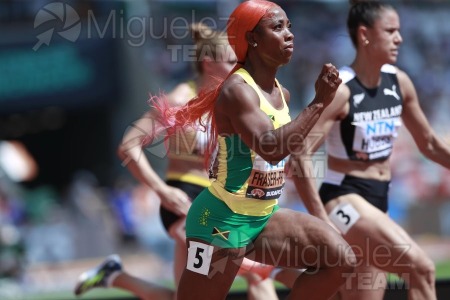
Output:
[[200, 109]]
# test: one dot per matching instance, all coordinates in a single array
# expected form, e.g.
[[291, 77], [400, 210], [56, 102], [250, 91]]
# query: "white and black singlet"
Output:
[[367, 133], [370, 127]]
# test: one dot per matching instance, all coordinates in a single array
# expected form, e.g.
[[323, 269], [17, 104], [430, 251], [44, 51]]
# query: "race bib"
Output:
[[266, 181], [375, 139], [344, 216], [199, 257]]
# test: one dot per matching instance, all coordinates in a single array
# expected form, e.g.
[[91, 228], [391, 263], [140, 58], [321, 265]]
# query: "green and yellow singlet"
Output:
[[245, 181]]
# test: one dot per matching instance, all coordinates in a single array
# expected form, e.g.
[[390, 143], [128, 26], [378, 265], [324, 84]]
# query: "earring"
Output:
[[366, 42], [254, 45]]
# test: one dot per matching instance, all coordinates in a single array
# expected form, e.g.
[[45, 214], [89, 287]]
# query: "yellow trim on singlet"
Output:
[[241, 205], [231, 185], [281, 116], [193, 86], [177, 152], [188, 178]]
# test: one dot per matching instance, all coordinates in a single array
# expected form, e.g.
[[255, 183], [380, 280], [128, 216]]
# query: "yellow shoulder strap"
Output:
[[249, 79]]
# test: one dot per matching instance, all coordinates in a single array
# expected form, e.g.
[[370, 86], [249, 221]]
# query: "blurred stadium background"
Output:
[[75, 74]]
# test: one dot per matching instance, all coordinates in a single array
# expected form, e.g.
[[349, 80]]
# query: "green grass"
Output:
[[94, 294], [98, 294], [442, 272]]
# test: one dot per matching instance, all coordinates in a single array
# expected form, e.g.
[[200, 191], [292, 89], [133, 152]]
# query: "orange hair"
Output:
[[243, 19], [200, 109]]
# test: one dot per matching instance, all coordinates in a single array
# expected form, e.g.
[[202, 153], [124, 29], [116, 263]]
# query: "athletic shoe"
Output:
[[98, 276]]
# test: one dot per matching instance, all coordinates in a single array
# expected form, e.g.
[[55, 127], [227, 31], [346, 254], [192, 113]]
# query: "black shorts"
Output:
[[374, 191], [168, 218]]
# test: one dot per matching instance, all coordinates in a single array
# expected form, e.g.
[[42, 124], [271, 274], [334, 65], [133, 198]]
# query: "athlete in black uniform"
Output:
[[360, 127], [366, 133]]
